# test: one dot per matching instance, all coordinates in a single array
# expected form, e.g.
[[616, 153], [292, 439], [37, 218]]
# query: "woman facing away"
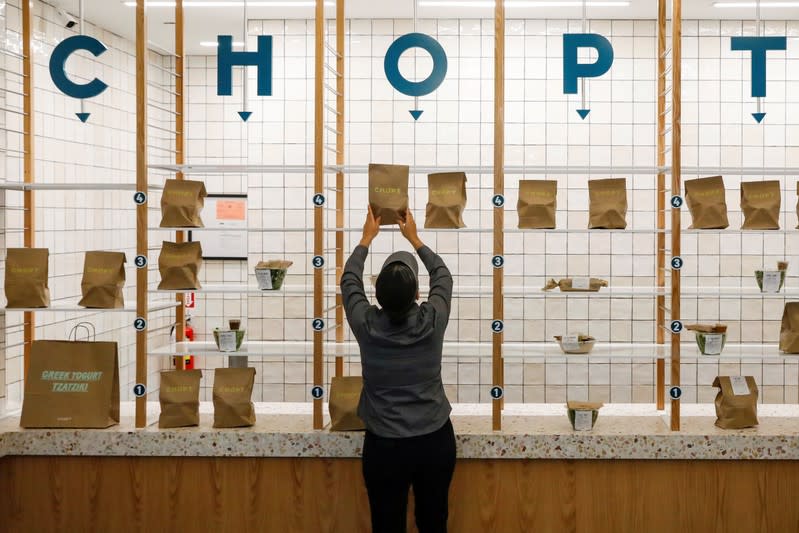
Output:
[[409, 437]]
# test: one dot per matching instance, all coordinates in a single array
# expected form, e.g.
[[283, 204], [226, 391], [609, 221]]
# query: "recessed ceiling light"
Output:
[[214, 44], [754, 4], [194, 3], [522, 3]]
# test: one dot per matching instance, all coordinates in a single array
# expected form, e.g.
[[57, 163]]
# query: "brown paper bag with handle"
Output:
[[103, 280], [71, 384], [345, 394], [179, 265], [537, 204], [607, 207], [26, 278], [707, 203], [736, 402], [181, 204], [446, 200], [760, 203], [789, 329], [179, 395], [233, 405], [388, 192]]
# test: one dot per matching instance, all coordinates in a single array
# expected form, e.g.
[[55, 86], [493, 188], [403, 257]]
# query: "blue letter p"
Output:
[[572, 70]]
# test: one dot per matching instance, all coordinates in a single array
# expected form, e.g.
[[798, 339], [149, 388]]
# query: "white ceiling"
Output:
[[205, 23]]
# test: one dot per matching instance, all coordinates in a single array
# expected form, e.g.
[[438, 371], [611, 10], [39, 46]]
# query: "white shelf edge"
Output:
[[21, 186]]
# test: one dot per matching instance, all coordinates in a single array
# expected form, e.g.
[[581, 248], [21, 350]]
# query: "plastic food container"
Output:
[[711, 343], [270, 274], [583, 415], [239, 338], [760, 274], [583, 345]]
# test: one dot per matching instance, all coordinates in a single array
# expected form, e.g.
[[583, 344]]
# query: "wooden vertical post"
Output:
[[29, 198], [319, 219], [180, 159], [141, 210], [660, 323], [340, 158], [676, 187], [499, 214]]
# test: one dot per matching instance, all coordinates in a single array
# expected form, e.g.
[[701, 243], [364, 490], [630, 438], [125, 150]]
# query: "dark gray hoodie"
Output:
[[403, 395]]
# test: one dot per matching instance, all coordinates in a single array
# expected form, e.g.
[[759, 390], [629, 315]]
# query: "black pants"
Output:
[[391, 466]]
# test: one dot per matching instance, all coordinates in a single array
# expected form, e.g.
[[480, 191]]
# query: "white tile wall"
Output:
[[456, 129], [70, 223]]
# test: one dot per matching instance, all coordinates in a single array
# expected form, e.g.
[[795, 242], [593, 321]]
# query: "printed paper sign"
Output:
[[583, 420], [227, 341], [570, 342], [230, 209], [771, 280], [581, 284], [713, 343], [739, 386]]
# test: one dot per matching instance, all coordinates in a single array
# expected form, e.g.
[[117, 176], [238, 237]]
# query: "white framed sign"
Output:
[[225, 233]]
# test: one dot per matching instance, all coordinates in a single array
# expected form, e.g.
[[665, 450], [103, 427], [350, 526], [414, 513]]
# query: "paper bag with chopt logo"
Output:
[[181, 204], [71, 384], [707, 203], [345, 394], [233, 405], [179, 396], [736, 402], [447, 200], [103, 280], [760, 203], [26, 278], [607, 207], [179, 265], [388, 192], [537, 204]]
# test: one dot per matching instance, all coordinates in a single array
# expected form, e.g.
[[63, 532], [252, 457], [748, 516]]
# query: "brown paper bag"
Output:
[[607, 207], [736, 411], [707, 202], [71, 384], [345, 394], [789, 330], [181, 203], [760, 203], [103, 280], [179, 265], [576, 284], [537, 204], [26, 278], [180, 398], [233, 405], [446, 200], [388, 192]]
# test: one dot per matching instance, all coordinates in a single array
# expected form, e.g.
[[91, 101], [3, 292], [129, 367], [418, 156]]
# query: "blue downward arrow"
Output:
[[583, 113], [245, 115], [416, 113], [83, 116], [759, 117]]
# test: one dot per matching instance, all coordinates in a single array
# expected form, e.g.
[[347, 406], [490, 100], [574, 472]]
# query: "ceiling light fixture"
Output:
[[214, 44], [191, 3], [739, 5], [522, 3]]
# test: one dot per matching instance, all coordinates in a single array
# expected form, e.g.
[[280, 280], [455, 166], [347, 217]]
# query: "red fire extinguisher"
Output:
[[188, 331]]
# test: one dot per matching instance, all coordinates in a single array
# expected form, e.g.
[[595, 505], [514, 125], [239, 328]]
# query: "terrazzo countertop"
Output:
[[529, 432]]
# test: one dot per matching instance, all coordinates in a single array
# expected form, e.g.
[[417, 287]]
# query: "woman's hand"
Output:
[[370, 228], [408, 229]]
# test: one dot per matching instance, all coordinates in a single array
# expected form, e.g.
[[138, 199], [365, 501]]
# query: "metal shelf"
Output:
[[602, 353], [74, 308], [20, 186]]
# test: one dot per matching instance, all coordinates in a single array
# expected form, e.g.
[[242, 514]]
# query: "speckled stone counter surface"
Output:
[[529, 432]]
